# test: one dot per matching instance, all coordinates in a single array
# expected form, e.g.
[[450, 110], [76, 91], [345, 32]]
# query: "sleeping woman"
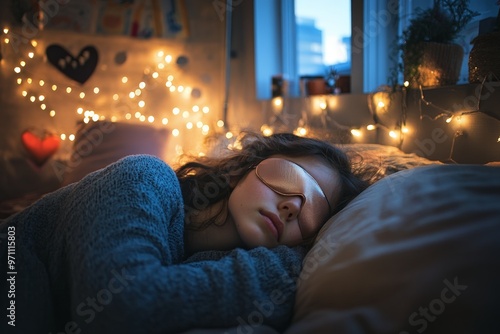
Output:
[[138, 248]]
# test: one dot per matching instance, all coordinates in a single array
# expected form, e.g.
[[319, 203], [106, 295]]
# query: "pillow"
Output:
[[101, 143], [417, 251]]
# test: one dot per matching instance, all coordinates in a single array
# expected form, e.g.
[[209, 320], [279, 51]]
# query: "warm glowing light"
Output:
[[68, 90], [393, 134], [164, 121], [32, 98], [371, 127], [142, 118], [131, 95], [206, 110], [168, 83], [195, 108], [449, 119], [406, 84], [180, 89], [6, 30], [160, 54], [356, 132], [300, 131], [95, 117], [170, 78], [175, 132], [124, 79], [199, 124], [137, 114], [404, 129], [29, 81], [34, 43], [52, 113], [41, 83], [79, 111], [31, 54], [155, 75], [220, 123], [82, 95], [41, 98], [161, 66], [205, 129], [63, 136], [142, 85], [17, 69], [185, 114], [189, 125], [266, 130], [323, 105], [116, 97], [278, 101], [128, 116], [71, 137], [24, 93], [19, 81], [54, 87], [96, 90], [229, 135], [172, 88], [6, 40], [138, 92], [380, 104], [22, 63], [168, 59], [176, 111], [151, 119], [43, 106], [141, 104]]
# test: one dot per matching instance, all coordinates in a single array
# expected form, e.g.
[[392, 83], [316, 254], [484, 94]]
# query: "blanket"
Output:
[[106, 255]]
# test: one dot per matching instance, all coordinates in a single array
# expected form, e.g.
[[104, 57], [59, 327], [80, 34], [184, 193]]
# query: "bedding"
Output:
[[417, 251]]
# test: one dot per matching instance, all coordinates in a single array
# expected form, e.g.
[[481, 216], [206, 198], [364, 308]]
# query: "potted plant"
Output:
[[484, 58], [429, 56]]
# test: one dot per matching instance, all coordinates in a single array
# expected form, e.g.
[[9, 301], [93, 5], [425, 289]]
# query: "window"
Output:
[[323, 36], [301, 37]]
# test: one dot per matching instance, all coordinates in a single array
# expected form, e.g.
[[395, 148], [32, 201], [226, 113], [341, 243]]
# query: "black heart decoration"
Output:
[[78, 68]]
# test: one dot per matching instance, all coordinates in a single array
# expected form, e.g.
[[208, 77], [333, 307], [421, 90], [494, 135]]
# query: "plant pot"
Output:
[[484, 58], [438, 64]]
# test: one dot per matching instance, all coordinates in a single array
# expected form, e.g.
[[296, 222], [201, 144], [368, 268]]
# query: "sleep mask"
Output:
[[290, 179]]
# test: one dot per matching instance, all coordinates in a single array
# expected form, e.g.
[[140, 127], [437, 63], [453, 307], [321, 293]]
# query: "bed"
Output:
[[416, 252]]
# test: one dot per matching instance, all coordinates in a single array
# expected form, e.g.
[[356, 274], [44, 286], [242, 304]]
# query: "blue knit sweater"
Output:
[[106, 255]]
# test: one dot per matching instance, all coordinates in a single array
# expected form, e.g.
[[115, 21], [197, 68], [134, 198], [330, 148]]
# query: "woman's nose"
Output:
[[289, 207]]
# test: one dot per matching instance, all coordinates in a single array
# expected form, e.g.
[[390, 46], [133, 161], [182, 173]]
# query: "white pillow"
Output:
[[417, 251]]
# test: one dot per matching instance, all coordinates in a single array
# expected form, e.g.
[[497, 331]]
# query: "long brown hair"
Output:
[[209, 180]]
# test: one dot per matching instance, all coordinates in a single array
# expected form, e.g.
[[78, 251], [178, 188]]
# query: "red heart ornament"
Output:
[[40, 149]]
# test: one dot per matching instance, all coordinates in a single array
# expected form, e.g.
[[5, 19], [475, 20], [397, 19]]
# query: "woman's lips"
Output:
[[274, 222]]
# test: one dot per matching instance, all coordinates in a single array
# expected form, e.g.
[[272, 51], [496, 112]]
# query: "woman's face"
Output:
[[264, 217]]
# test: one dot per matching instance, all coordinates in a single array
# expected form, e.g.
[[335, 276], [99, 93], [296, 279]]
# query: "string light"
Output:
[[188, 120]]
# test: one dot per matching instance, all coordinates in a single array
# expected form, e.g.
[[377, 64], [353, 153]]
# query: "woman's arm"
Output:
[[125, 247]]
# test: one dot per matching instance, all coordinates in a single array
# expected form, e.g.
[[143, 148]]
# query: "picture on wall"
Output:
[[135, 18]]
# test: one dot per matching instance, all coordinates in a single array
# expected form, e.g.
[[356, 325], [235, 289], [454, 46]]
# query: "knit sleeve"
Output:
[[124, 247]]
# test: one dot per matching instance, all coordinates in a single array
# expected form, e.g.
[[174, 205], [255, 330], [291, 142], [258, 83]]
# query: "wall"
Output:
[[119, 56]]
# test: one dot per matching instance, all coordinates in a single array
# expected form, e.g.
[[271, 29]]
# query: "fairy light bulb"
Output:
[[151, 119], [124, 80], [300, 131], [356, 132], [371, 127], [206, 110], [189, 125], [175, 132], [164, 121], [393, 134], [220, 123]]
